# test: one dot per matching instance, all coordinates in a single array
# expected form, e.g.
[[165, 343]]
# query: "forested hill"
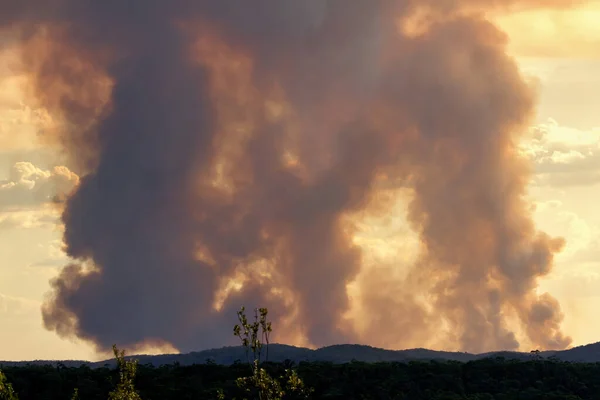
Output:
[[335, 354]]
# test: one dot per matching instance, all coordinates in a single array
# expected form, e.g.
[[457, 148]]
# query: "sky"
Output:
[[559, 51]]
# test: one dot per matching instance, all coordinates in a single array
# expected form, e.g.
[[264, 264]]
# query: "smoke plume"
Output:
[[226, 148]]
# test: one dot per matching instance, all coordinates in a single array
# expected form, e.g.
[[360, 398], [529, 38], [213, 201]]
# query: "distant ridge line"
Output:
[[339, 353]]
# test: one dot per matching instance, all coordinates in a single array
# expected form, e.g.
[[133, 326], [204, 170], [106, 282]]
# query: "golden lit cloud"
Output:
[[563, 156], [30, 197], [572, 32], [19, 120], [575, 279], [30, 186]]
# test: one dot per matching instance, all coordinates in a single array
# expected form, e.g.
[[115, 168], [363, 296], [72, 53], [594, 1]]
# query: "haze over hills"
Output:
[[342, 353]]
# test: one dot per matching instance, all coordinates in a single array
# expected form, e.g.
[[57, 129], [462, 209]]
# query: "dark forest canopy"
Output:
[[494, 378]]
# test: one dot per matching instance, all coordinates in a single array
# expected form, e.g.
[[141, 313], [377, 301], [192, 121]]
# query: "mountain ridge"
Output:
[[339, 353]]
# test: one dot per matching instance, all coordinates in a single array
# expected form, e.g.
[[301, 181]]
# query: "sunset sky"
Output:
[[558, 50]]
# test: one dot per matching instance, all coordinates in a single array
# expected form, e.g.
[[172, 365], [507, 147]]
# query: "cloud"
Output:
[[29, 196], [56, 257], [46, 217], [568, 33], [29, 186], [563, 156], [590, 253], [20, 120], [580, 235], [19, 125]]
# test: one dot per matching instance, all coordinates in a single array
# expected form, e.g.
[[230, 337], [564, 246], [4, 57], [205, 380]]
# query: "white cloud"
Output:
[[56, 257], [20, 122], [46, 217], [563, 156], [575, 278], [571, 32], [29, 186], [28, 197], [551, 216]]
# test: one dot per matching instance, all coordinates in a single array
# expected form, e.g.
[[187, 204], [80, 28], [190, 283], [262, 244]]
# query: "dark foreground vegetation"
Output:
[[485, 379]]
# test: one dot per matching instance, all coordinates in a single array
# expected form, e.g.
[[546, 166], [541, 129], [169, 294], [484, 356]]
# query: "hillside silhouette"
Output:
[[338, 354]]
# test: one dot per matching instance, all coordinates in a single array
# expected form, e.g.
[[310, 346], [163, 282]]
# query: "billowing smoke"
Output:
[[226, 147]]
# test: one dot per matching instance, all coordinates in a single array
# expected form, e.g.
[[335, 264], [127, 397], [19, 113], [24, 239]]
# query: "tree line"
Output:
[[257, 378]]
